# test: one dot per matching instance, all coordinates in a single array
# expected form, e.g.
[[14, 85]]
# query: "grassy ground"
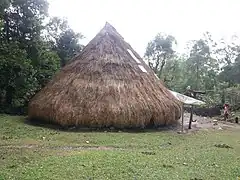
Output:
[[30, 152]]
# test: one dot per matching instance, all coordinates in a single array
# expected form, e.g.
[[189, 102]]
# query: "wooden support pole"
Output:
[[191, 118], [182, 117]]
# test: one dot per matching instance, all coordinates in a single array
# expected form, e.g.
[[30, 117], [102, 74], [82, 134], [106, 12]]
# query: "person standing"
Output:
[[226, 111]]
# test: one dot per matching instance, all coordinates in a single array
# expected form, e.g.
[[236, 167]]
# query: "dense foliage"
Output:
[[31, 50], [208, 66]]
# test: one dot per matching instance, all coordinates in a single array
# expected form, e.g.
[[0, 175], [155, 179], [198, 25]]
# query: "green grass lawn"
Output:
[[31, 152]]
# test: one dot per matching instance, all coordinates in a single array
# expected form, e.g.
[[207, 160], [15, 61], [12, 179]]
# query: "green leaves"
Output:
[[3, 5], [20, 77], [199, 68], [231, 72], [63, 39], [48, 64], [30, 51], [16, 74], [159, 51]]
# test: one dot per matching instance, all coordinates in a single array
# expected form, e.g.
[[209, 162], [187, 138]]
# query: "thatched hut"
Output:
[[106, 85]]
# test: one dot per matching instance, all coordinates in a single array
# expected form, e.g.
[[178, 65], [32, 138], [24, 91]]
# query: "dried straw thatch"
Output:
[[108, 84]]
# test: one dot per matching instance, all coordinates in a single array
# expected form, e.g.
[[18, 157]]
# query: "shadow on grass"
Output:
[[48, 125]]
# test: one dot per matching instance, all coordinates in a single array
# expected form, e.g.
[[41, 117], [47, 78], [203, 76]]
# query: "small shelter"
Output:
[[106, 85], [186, 100]]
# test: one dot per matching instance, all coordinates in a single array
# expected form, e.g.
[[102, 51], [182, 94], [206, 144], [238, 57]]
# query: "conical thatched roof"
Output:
[[108, 84]]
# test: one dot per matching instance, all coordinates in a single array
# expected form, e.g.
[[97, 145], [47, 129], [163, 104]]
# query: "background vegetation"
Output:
[[33, 46]]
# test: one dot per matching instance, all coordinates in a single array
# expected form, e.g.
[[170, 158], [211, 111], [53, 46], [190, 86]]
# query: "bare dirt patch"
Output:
[[66, 148], [207, 123]]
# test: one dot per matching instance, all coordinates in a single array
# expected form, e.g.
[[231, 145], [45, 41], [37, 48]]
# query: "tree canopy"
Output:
[[207, 65], [28, 59], [159, 51]]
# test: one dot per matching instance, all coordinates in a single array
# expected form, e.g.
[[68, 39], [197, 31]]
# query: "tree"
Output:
[[228, 52], [3, 5], [27, 61], [63, 39], [17, 76], [159, 51], [46, 63], [23, 21], [30, 50], [231, 73], [202, 67], [173, 74]]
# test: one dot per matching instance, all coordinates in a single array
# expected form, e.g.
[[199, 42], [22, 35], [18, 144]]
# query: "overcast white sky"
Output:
[[138, 21]]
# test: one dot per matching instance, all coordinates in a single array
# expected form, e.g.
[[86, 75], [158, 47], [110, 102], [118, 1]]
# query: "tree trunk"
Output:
[[162, 65], [6, 26], [161, 68], [223, 96], [9, 96], [197, 77]]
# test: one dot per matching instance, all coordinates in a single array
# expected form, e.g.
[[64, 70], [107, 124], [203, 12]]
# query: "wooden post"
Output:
[[182, 117], [191, 118]]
